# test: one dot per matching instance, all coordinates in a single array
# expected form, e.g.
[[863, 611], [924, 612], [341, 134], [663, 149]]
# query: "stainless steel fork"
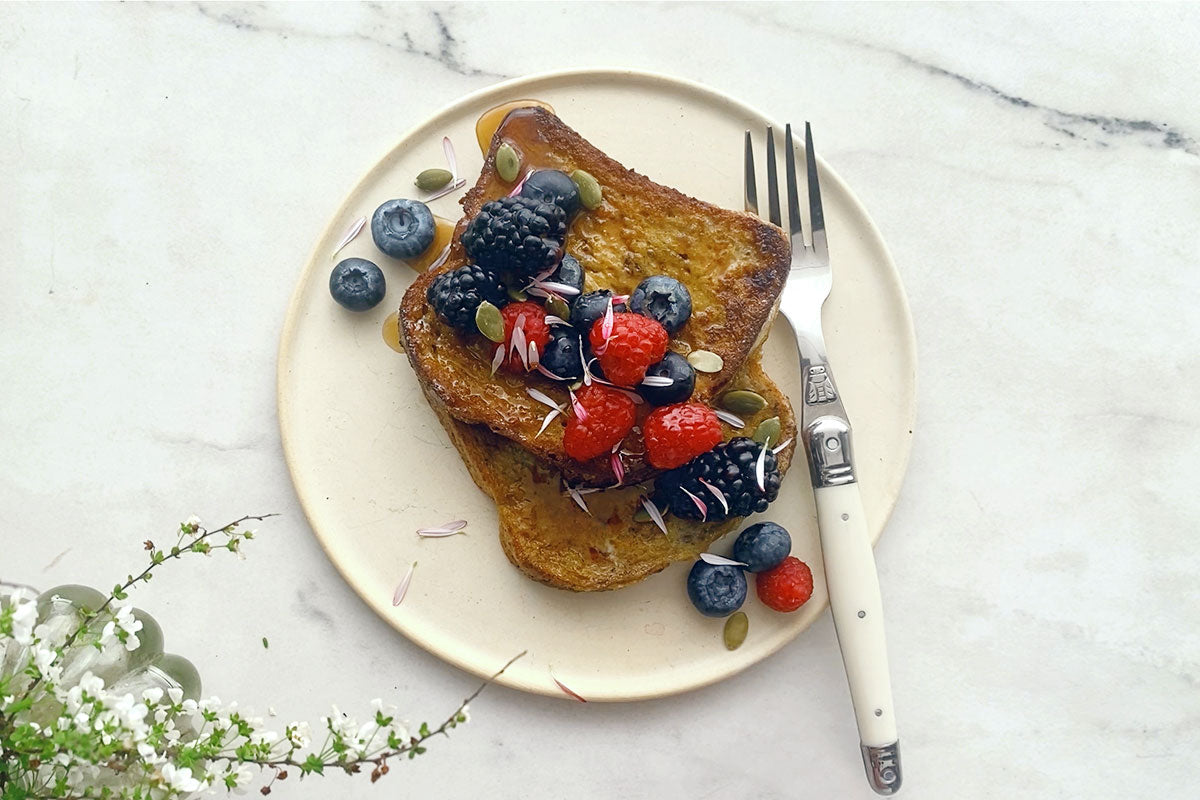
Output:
[[825, 429]]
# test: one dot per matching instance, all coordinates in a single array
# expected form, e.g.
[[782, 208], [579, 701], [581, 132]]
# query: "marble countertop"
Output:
[[165, 169]]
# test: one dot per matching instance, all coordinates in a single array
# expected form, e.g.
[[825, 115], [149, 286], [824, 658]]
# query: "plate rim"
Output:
[[292, 317]]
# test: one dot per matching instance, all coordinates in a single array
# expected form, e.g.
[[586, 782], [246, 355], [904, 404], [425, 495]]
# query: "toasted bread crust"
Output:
[[734, 264], [549, 538]]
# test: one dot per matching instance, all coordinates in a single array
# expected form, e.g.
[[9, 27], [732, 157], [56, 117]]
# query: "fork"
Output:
[[825, 429]]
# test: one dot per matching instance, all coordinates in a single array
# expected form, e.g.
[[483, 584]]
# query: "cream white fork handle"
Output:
[[858, 616]]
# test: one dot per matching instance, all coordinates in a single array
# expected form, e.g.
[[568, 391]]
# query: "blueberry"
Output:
[[562, 353], [403, 228], [590, 307], [553, 186], [569, 272], [677, 368], [762, 546], [716, 590], [357, 284], [664, 299]]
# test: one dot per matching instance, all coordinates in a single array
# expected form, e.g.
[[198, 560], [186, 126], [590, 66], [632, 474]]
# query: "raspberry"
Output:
[[676, 434], [608, 417], [533, 324], [635, 344], [785, 587]]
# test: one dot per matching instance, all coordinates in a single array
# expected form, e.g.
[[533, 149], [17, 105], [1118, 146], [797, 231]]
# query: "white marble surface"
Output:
[[164, 170]]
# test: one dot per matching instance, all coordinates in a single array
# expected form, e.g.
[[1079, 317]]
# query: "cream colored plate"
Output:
[[371, 464]]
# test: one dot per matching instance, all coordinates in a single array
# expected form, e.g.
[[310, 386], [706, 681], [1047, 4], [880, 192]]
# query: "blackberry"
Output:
[[456, 294], [730, 468], [518, 235]]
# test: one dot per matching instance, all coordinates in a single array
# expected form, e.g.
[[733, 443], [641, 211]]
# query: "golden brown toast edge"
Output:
[[473, 396]]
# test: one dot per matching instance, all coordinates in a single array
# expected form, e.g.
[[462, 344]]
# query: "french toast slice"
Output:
[[549, 538], [733, 264]]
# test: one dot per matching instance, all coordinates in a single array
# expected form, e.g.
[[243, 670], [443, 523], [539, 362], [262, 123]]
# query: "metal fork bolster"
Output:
[[830, 454]]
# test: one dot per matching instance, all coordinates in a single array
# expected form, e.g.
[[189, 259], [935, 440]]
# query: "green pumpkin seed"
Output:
[[433, 179], [574, 387], [489, 321], [558, 307], [641, 515], [590, 193], [736, 628], [768, 431], [743, 401], [705, 361], [516, 295], [508, 162]]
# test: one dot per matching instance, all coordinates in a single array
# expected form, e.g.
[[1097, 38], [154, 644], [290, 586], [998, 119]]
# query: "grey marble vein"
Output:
[[446, 51]]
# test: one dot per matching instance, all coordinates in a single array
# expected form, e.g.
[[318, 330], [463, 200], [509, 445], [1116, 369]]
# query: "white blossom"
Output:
[[180, 779]]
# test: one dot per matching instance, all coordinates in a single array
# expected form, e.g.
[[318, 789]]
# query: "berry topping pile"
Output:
[[717, 585], [601, 419], [608, 351]]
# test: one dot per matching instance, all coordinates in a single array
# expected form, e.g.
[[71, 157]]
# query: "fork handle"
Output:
[[858, 617]]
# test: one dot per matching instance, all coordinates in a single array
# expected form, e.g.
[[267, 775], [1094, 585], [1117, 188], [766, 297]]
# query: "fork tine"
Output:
[[795, 226], [772, 180], [820, 244], [751, 199]]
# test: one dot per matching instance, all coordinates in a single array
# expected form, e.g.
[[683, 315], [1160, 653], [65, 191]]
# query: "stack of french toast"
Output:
[[580, 344]]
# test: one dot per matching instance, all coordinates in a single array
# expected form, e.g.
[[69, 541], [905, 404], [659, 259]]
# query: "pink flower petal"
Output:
[[349, 235], [620, 299], [577, 496], [721, 561], [558, 288], [717, 493], [553, 320], [549, 374], [533, 355], [729, 419], [587, 373], [617, 467], [497, 359], [658, 380], [545, 399], [782, 445], [451, 161], [699, 504], [566, 690], [447, 189], [516, 190], [441, 259], [654, 513], [446, 527], [554, 412], [760, 469], [402, 587], [606, 327], [576, 406]]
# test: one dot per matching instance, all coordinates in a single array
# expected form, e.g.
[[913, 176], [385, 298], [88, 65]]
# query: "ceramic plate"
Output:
[[371, 464]]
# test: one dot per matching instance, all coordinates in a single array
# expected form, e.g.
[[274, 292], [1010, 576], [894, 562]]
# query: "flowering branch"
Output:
[[76, 738]]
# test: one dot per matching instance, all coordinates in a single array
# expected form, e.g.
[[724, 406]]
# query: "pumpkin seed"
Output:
[[574, 387], [433, 179], [743, 401], [705, 361], [736, 628], [489, 321], [558, 307], [590, 193], [517, 295], [768, 431], [508, 162], [641, 515]]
